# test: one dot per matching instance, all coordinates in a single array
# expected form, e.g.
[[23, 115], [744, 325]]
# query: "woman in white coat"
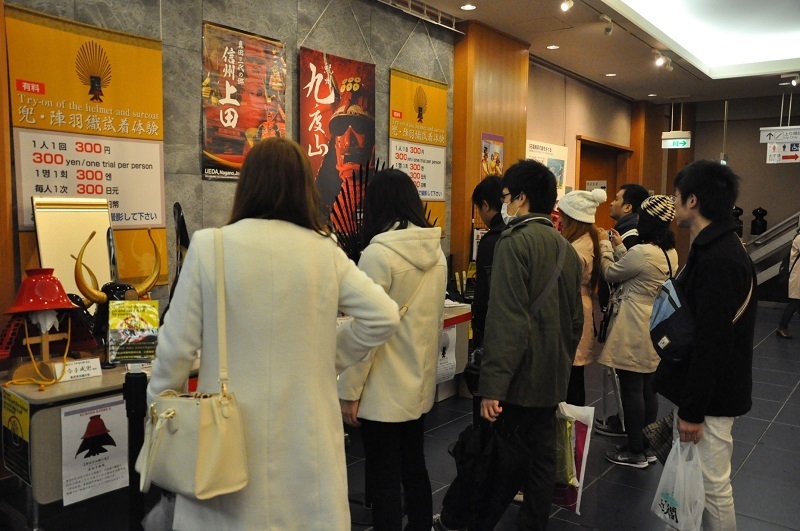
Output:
[[578, 209], [794, 289], [641, 271], [286, 281], [389, 392]]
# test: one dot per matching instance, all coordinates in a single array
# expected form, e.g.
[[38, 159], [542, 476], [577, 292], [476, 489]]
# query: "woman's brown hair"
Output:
[[276, 182], [573, 229]]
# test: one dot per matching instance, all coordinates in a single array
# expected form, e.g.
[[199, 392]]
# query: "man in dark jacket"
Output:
[[486, 199], [528, 351], [715, 384], [624, 210], [530, 343]]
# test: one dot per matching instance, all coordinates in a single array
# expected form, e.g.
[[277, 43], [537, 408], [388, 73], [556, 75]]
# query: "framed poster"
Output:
[[337, 125], [244, 97]]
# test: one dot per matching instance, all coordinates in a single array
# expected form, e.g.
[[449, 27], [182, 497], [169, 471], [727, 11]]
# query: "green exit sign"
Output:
[[676, 139], [676, 143]]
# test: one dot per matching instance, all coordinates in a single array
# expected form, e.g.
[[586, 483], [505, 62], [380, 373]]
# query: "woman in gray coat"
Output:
[[640, 272]]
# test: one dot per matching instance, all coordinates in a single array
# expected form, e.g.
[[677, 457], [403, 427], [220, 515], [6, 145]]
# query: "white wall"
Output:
[[560, 109]]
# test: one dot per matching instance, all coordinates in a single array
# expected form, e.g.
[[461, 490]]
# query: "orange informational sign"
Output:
[[418, 109], [74, 78]]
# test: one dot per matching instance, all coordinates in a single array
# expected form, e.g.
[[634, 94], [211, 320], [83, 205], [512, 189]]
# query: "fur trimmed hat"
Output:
[[581, 205], [659, 207]]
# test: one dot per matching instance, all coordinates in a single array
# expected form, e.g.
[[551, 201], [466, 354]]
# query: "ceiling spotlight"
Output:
[[553, 47], [611, 75], [660, 60], [668, 65], [609, 25], [652, 95], [566, 4], [468, 7], [795, 79]]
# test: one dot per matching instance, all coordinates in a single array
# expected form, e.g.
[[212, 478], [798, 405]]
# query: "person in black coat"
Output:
[[715, 384], [487, 200]]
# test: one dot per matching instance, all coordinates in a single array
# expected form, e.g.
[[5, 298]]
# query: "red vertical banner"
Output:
[[243, 89], [337, 126]]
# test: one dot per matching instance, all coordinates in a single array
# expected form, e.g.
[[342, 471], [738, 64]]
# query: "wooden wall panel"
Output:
[[490, 96], [647, 122], [8, 273]]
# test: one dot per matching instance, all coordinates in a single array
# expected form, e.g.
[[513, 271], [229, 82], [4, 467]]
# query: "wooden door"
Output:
[[600, 161]]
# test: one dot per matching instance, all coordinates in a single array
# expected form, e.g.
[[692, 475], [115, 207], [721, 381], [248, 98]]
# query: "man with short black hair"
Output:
[[533, 328], [715, 384], [624, 209], [486, 199]]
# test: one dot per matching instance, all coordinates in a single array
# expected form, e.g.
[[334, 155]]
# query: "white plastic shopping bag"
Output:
[[680, 497]]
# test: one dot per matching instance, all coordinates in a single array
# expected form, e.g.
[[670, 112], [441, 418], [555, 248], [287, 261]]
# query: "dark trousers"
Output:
[[640, 404], [576, 390], [394, 456], [536, 427], [791, 308]]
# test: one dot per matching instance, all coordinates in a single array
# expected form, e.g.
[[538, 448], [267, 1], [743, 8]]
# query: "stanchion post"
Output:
[[135, 394]]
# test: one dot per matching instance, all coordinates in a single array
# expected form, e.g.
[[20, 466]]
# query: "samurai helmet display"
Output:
[[112, 289], [40, 291]]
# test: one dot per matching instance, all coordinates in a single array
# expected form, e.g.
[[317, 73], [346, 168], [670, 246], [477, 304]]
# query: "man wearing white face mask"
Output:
[[533, 328]]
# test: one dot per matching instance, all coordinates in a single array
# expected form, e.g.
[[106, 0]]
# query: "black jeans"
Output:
[[536, 427], [640, 405], [394, 456], [793, 306], [576, 390]]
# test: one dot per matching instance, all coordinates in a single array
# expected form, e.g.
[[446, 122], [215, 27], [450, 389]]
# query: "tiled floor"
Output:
[[766, 461], [766, 457]]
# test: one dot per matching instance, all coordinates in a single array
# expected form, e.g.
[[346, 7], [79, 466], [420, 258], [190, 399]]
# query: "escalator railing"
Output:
[[768, 250]]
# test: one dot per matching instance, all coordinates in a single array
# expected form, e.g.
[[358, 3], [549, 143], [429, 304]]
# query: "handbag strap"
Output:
[[562, 253], [746, 302], [222, 327], [744, 305], [404, 308], [669, 264]]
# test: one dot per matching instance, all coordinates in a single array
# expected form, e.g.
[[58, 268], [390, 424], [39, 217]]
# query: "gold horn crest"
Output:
[[93, 294], [92, 278], [148, 283]]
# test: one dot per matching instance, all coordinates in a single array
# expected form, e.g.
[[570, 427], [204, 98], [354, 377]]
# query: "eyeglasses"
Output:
[[513, 197]]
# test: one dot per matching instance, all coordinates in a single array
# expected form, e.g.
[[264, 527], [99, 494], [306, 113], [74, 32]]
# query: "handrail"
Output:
[[781, 227]]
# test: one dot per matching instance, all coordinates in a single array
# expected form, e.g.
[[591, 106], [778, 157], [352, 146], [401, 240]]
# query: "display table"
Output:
[[45, 425], [459, 317]]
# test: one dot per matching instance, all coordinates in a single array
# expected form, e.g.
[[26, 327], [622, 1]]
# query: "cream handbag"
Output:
[[194, 443]]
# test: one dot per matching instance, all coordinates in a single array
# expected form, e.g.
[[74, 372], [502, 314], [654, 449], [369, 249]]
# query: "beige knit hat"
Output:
[[581, 205], [659, 207]]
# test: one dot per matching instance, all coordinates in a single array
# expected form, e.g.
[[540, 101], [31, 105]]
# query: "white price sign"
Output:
[[425, 165], [128, 172]]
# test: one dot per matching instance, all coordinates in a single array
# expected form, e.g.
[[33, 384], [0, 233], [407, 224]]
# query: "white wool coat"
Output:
[[284, 288], [794, 276], [397, 381], [640, 271]]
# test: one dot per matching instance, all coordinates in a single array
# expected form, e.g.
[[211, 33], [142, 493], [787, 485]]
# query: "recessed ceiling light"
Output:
[[611, 75], [468, 7], [784, 83], [556, 47], [652, 95]]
